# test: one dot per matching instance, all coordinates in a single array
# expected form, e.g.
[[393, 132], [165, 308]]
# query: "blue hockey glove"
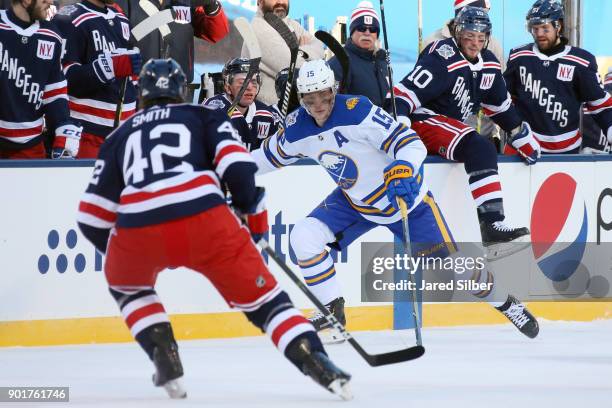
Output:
[[524, 142], [66, 142], [400, 182]]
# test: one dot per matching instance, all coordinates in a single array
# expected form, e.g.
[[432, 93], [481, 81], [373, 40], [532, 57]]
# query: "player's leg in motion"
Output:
[[235, 267], [456, 141], [332, 222]]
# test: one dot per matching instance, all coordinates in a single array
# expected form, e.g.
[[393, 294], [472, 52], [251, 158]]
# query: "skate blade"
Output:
[[341, 388], [175, 389], [505, 249], [330, 336]]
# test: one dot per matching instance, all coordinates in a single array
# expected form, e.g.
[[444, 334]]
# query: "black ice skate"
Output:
[[330, 335], [169, 369], [501, 240], [320, 368], [518, 314]]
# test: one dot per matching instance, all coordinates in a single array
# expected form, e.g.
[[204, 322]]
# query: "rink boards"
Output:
[[53, 291]]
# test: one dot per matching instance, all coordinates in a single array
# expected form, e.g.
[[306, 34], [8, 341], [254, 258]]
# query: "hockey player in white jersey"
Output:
[[375, 161]]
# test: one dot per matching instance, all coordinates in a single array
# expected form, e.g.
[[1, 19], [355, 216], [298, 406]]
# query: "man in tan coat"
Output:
[[274, 51], [481, 123]]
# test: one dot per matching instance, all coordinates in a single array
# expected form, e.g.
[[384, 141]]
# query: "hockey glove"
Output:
[[257, 216], [119, 64], [524, 142], [66, 142], [400, 182], [210, 6]]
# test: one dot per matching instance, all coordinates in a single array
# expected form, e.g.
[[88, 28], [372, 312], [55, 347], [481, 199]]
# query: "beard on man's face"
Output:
[[281, 10]]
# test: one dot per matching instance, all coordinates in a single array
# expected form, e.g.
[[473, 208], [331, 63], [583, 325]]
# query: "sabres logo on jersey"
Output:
[[351, 103], [340, 167]]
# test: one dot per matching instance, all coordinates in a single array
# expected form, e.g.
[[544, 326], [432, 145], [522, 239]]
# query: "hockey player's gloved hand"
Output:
[[257, 216], [210, 6], [66, 142], [400, 182], [120, 64], [524, 142]]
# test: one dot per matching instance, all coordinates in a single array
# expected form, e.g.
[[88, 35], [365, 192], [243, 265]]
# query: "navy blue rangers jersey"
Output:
[[444, 83], [32, 83], [90, 31], [164, 163], [549, 91], [259, 123]]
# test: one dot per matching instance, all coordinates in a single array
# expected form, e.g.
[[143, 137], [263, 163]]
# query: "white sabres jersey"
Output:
[[354, 146]]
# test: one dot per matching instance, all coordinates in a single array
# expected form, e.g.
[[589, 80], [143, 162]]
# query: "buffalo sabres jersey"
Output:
[[164, 163], [259, 122], [549, 91], [444, 83], [32, 83], [90, 31], [354, 146]]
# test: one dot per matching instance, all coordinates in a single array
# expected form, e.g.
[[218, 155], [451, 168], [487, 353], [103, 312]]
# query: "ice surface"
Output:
[[568, 365]]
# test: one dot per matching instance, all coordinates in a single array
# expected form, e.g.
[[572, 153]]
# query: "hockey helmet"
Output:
[[161, 79], [543, 12], [315, 75], [237, 66], [473, 19]]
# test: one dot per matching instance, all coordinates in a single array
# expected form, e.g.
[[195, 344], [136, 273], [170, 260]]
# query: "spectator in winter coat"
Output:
[[368, 74]]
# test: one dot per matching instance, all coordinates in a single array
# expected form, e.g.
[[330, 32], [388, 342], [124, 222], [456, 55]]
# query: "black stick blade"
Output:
[[340, 53], [395, 357], [279, 25]]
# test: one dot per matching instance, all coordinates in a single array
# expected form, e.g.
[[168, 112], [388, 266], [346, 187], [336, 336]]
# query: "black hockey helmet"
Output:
[[543, 12], [237, 66], [280, 82], [161, 79]]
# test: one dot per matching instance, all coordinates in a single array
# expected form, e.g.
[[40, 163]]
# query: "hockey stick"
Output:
[[374, 360], [408, 251], [292, 42], [156, 21], [340, 53], [388, 59], [250, 40]]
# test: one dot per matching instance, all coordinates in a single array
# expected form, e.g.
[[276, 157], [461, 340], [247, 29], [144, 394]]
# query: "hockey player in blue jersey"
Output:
[[375, 161], [254, 120], [33, 85], [550, 81], [96, 61], [452, 79], [156, 192]]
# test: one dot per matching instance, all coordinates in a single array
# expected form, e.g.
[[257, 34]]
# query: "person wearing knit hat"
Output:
[[483, 124], [368, 66]]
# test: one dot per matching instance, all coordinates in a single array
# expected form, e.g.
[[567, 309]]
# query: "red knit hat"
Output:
[[459, 4]]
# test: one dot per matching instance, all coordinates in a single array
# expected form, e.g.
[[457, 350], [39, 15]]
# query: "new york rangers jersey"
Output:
[[549, 91], [444, 82], [354, 146], [259, 122], [32, 83], [90, 31], [163, 163]]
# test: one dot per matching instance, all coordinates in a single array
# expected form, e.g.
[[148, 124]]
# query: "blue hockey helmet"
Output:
[[473, 19], [543, 12], [161, 79]]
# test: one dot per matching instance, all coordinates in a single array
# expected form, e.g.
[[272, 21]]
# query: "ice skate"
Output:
[[327, 333], [518, 314], [321, 369], [169, 369], [501, 240]]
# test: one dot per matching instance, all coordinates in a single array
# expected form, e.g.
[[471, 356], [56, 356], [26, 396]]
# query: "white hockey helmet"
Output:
[[315, 75]]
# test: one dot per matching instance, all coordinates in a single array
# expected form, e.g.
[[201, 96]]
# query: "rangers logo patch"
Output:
[[262, 130], [487, 81], [565, 72], [446, 51], [351, 103], [125, 30], [45, 49], [183, 14], [291, 118]]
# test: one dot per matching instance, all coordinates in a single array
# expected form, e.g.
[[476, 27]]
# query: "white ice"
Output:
[[568, 365]]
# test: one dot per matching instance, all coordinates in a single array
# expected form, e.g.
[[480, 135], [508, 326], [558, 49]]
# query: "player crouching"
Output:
[[156, 190]]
